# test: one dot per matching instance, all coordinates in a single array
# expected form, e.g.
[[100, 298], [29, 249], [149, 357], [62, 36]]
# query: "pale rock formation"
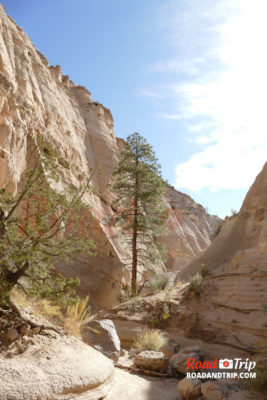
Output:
[[55, 368], [231, 308], [36, 97]]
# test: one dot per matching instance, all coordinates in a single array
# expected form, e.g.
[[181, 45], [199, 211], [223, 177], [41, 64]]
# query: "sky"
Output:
[[188, 75]]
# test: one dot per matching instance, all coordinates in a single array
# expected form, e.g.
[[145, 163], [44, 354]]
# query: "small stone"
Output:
[[23, 329], [12, 334], [36, 330]]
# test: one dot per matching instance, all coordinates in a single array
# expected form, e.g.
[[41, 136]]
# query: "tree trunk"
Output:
[[134, 240], [134, 263]]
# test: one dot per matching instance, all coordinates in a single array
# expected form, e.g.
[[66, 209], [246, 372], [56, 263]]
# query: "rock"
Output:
[[167, 351], [174, 345], [151, 360], [102, 335], [12, 334], [189, 388], [23, 329], [211, 391], [178, 362], [56, 368], [193, 350], [238, 260]]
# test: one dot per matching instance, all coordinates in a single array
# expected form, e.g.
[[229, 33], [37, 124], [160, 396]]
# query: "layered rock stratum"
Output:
[[36, 97]]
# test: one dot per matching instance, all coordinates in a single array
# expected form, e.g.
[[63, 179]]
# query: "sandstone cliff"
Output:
[[232, 304], [35, 96]]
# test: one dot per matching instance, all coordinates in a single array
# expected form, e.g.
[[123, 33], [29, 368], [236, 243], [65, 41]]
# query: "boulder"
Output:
[[194, 349], [167, 351], [174, 345], [102, 335], [189, 388], [211, 391], [151, 360], [178, 362], [54, 368]]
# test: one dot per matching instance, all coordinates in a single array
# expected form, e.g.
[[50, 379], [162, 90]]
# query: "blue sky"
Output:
[[189, 75]]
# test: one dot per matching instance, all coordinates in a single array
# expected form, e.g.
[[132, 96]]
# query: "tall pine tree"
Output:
[[139, 190]]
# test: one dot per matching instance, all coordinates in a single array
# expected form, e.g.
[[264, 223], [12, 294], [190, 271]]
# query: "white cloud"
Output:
[[223, 97]]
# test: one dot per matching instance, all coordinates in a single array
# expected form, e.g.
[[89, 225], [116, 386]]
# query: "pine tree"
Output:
[[140, 212], [39, 227]]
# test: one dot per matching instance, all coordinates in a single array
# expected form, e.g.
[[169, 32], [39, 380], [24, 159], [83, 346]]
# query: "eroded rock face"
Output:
[[231, 307], [36, 97]]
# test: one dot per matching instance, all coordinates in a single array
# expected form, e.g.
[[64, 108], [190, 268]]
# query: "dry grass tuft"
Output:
[[76, 316], [150, 339], [43, 308]]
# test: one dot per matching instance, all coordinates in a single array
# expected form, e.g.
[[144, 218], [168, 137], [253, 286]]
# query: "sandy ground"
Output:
[[136, 387]]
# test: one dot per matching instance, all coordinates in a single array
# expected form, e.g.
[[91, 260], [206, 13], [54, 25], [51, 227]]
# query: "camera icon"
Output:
[[226, 363]]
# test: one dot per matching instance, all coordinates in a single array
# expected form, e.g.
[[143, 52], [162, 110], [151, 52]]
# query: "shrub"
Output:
[[195, 284], [76, 316], [217, 229], [179, 283], [150, 339], [159, 283], [204, 270]]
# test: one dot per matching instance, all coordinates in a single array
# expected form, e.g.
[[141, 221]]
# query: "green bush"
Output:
[[159, 283], [195, 284]]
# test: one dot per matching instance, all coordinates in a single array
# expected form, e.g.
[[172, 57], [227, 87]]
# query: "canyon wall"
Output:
[[36, 97], [232, 305]]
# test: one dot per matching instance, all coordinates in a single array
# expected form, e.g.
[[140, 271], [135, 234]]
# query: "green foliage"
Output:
[[150, 339], [126, 294], [159, 282], [195, 284], [40, 227], [139, 190], [217, 229], [204, 270]]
